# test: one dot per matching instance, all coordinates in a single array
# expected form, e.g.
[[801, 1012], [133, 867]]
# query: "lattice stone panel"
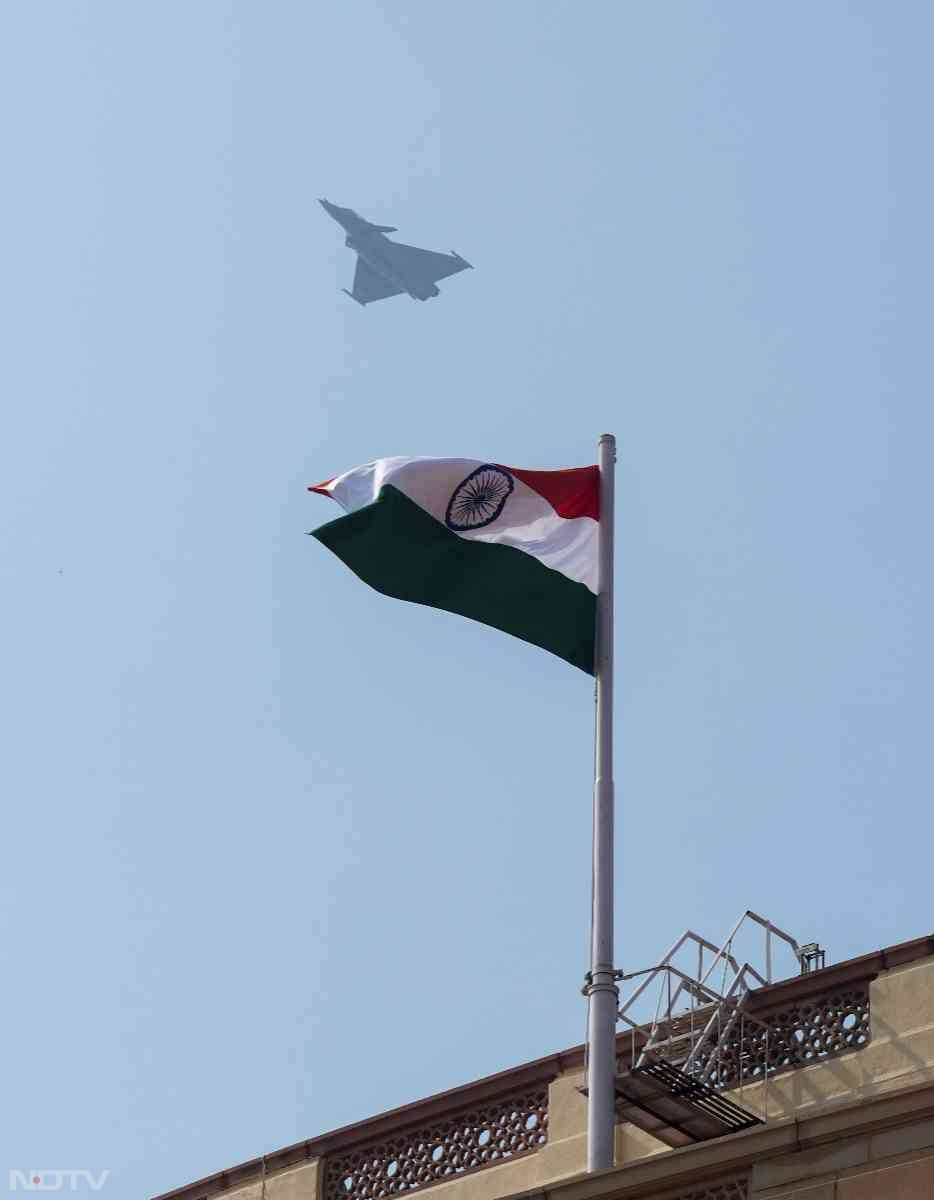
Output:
[[423, 1154], [818, 1028], [729, 1189]]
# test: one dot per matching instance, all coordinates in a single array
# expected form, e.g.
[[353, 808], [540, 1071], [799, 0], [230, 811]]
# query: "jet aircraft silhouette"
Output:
[[387, 268]]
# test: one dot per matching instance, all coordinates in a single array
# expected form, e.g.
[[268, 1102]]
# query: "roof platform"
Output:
[[676, 1108]]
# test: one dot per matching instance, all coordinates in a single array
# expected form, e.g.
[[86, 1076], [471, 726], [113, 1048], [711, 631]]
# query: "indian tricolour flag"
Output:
[[512, 548]]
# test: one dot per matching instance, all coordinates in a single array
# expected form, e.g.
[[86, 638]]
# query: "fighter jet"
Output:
[[387, 268]]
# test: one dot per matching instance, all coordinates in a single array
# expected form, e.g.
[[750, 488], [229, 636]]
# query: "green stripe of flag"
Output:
[[399, 549]]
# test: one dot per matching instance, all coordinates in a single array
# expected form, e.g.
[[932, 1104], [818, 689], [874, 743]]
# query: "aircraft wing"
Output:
[[425, 265], [368, 286]]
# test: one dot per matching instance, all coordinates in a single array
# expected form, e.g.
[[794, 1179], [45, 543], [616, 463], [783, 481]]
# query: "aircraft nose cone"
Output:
[[333, 210]]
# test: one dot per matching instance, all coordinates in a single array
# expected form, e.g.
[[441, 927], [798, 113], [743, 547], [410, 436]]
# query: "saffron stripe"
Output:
[[573, 492]]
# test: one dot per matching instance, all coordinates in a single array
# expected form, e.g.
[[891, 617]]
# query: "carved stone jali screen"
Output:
[[815, 1029], [729, 1189], [423, 1154]]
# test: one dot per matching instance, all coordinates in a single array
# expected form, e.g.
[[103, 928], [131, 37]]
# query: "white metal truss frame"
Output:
[[694, 1038]]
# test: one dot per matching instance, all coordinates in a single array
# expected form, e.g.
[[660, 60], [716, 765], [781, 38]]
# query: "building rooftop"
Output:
[[856, 1035]]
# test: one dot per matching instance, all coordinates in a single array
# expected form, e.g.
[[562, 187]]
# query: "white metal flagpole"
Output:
[[603, 996]]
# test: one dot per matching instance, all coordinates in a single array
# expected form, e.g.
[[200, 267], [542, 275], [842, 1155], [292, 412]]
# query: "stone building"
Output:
[[824, 1091]]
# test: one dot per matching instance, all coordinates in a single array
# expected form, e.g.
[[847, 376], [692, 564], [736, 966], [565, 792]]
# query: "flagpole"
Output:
[[602, 993]]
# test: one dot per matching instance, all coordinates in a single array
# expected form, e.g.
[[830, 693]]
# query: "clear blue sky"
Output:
[[258, 883]]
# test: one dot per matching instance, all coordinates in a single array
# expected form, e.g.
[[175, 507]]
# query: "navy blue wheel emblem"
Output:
[[479, 499]]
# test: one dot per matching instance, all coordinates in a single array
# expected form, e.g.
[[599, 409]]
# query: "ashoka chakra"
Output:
[[479, 499]]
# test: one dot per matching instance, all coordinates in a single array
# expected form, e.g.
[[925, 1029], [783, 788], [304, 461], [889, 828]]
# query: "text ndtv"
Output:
[[57, 1181]]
